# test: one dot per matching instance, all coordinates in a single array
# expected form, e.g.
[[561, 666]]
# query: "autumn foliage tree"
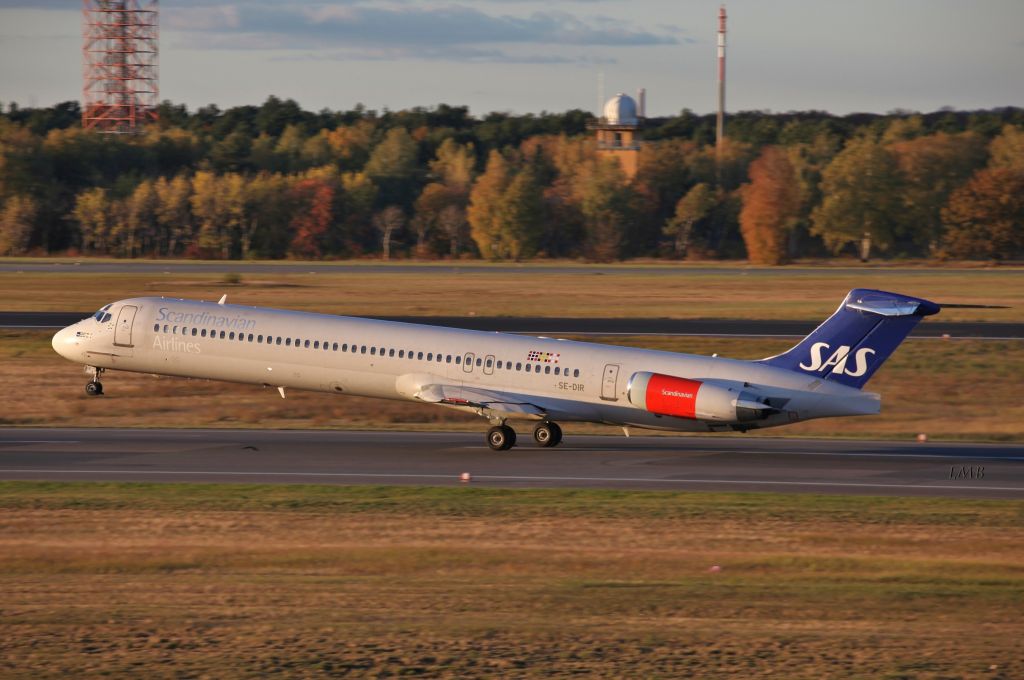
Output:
[[771, 202], [313, 200], [985, 217], [485, 206], [16, 217], [276, 181], [930, 168]]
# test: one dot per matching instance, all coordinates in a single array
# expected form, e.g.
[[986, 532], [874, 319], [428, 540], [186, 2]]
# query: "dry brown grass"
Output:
[[206, 581], [949, 389], [756, 294]]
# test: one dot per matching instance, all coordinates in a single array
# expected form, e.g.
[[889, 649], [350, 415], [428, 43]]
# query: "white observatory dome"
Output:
[[621, 110]]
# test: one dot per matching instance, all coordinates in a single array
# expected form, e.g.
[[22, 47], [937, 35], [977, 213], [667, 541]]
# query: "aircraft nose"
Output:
[[64, 341]]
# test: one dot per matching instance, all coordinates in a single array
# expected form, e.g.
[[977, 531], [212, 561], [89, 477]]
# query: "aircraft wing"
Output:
[[486, 402]]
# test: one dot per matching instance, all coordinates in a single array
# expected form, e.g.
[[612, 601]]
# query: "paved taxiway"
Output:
[[439, 458], [610, 326]]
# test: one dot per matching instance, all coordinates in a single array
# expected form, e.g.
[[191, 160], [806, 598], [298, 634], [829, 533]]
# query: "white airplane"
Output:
[[498, 376]]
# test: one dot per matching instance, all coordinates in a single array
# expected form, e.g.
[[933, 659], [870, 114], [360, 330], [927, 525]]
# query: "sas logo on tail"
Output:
[[838, 359]]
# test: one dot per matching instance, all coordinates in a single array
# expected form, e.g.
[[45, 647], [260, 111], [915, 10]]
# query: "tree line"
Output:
[[275, 181]]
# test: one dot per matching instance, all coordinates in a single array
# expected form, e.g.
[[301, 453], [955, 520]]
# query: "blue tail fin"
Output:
[[854, 342]]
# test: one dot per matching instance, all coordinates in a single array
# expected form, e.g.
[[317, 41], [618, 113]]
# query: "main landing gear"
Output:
[[94, 387], [547, 434], [503, 437]]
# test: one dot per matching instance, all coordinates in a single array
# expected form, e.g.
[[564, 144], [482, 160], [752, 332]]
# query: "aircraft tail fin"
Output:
[[852, 344]]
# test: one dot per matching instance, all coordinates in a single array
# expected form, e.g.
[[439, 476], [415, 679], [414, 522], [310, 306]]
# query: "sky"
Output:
[[528, 56]]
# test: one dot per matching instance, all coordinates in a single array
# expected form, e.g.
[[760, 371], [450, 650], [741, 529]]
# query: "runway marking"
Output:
[[454, 477], [39, 441], [758, 452]]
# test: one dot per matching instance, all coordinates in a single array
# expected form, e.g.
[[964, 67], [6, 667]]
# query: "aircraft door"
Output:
[[489, 364], [123, 329], [467, 362], [610, 383]]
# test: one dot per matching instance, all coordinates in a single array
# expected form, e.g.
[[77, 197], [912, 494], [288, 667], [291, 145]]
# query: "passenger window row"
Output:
[[327, 345]]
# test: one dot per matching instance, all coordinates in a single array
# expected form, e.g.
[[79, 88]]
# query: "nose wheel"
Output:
[[94, 387], [501, 438], [547, 434]]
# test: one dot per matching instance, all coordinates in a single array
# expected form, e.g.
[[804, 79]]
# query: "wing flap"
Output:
[[488, 402]]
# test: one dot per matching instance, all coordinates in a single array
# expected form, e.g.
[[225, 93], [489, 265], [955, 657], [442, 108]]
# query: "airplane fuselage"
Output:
[[572, 381]]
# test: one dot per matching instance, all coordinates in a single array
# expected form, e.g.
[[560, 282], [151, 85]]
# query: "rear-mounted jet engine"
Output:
[[667, 395]]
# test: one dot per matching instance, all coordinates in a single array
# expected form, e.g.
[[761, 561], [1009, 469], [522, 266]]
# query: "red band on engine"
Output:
[[672, 396]]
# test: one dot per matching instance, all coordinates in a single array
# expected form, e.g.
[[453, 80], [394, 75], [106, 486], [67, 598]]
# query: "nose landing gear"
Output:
[[94, 387]]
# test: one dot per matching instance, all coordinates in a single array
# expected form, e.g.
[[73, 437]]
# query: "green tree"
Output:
[[695, 206], [605, 204], [521, 216], [860, 190], [394, 167], [265, 228], [359, 195], [289, 148], [232, 152]]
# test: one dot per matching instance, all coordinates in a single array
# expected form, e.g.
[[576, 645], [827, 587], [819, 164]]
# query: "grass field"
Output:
[[249, 581], [978, 382], [752, 294]]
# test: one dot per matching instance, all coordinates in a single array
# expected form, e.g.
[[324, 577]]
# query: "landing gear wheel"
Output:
[[94, 388], [547, 434], [501, 438]]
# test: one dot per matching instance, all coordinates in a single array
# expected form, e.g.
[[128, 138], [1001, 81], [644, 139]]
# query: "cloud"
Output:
[[203, 19], [465, 55], [258, 25]]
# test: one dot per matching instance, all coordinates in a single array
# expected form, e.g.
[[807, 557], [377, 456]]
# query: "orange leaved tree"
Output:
[[771, 203]]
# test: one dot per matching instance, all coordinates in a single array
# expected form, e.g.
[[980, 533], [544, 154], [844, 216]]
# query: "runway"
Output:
[[994, 471], [561, 326]]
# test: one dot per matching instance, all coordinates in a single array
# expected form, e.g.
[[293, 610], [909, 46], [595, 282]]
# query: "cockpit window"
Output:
[[102, 316]]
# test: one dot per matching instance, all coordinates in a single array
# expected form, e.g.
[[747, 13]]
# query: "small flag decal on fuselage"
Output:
[[543, 357]]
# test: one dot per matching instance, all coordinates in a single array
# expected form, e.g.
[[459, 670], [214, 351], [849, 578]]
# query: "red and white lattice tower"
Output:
[[720, 120], [119, 66]]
